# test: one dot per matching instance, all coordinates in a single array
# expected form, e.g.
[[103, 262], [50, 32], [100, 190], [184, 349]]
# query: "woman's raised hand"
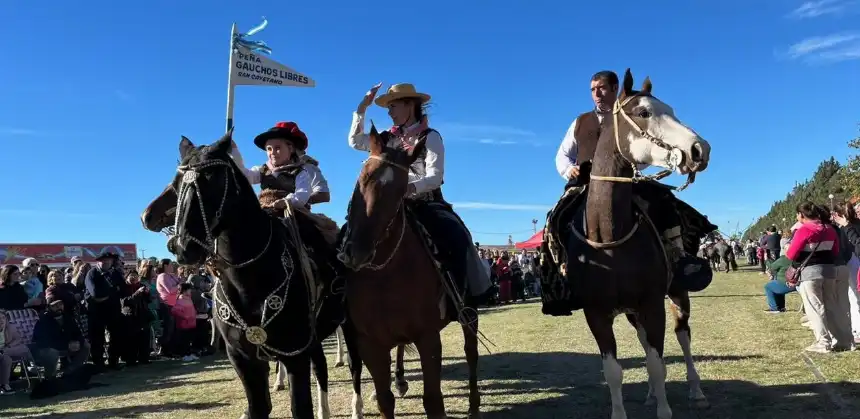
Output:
[[368, 98]]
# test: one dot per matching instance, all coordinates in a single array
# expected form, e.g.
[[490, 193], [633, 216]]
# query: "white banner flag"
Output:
[[249, 68]]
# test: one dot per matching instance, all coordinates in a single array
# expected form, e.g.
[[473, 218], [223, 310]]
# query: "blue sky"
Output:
[[96, 95]]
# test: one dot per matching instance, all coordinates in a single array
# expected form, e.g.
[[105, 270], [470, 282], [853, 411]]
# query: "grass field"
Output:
[[542, 367]]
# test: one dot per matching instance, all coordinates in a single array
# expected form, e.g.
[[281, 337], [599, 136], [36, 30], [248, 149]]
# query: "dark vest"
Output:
[[587, 132], [436, 194], [283, 181]]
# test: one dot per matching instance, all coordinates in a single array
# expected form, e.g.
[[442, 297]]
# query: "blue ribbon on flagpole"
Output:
[[256, 46]]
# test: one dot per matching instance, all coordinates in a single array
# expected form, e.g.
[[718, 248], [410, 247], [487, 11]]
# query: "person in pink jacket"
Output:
[[815, 248], [11, 348], [186, 321], [167, 285]]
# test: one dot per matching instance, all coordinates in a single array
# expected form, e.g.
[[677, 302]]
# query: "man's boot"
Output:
[[690, 273]]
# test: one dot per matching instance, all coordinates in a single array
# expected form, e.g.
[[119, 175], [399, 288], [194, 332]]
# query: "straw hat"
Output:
[[401, 91]]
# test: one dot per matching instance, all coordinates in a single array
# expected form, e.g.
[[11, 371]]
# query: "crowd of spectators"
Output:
[[107, 314]]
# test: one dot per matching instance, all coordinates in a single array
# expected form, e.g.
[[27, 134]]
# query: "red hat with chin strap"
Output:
[[288, 131]]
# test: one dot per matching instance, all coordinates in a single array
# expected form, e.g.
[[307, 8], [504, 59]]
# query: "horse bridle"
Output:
[[370, 265], [618, 109], [190, 175]]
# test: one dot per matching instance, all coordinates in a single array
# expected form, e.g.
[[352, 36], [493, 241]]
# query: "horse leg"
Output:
[[400, 372], [254, 374], [338, 362], [354, 369], [320, 370], [643, 340], [430, 350], [280, 376], [680, 308], [378, 361], [470, 347], [600, 324], [651, 324], [299, 374]]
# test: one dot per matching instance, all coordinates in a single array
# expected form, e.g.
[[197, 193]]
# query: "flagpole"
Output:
[[230, 87]]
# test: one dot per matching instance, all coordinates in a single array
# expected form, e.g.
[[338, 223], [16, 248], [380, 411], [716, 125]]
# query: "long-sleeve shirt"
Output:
[[565, 157], [427, 173], [168, 288], [820, 239], [308, 182], [779, 267]]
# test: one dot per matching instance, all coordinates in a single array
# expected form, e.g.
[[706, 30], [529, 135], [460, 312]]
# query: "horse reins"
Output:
[[618, 108], [276, 300], [190, 174], [370, 265]]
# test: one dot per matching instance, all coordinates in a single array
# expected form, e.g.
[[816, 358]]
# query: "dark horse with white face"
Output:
[[265, 307], [624, 268]]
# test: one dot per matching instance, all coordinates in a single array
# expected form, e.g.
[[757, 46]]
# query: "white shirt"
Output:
[[308, 182], [565, 158], [426, 173]]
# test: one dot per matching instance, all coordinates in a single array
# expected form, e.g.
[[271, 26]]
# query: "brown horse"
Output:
[[396, 294], [624, 267]]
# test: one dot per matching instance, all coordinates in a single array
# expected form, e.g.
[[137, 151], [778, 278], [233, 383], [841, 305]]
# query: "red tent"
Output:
[[532, 243]]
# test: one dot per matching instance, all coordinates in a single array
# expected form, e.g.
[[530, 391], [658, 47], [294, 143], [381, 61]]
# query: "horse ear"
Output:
[[646, 86], [376, 143], [185, 145], [626, 85], [417, 150], [225, 144]]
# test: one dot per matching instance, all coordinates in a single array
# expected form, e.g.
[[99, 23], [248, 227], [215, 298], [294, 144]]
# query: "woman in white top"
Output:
[[406, 107]]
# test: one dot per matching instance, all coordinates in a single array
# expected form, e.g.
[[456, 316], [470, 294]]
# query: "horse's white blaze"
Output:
[[614, 376], [657, 380], [357, 406], [693, 379], [387, 176], [324, 412], [664, 125]]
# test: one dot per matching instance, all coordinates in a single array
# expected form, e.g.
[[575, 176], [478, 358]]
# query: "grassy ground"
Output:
[[542, 367]]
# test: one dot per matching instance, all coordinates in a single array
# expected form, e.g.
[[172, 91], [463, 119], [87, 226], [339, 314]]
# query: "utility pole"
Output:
[[143, 253], [534, 224]]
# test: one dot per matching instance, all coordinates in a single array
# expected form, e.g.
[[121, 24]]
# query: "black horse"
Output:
[[266, 308]]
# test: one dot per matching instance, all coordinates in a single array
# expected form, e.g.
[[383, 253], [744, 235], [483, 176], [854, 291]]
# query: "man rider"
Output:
[[573, 163], [424, 193]]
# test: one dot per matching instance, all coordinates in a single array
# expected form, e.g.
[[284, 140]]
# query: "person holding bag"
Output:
[[814, 251]]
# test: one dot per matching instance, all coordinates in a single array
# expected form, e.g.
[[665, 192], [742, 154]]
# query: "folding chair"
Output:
[[24, 322]]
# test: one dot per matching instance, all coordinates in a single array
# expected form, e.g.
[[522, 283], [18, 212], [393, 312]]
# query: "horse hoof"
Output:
[[338, 364], [700, 403], [278, 387], [650, 401], [402, 387]]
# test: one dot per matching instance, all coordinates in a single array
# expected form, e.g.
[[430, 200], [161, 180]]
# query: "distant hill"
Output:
[[827, 179]]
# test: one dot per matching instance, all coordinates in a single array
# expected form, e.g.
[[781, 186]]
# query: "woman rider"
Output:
[[406, 107]]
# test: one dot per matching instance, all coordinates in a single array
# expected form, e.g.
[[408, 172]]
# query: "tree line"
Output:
[[831, 177]]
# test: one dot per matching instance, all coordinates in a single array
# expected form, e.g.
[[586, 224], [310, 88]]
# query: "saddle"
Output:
[[564, 236], [455, 285]]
